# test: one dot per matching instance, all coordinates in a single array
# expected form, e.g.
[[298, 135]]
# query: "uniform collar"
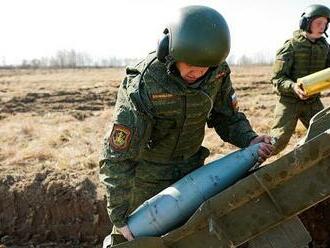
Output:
[[301, 36]]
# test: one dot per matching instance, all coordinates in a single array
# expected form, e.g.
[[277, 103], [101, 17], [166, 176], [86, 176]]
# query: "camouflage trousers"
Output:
[[151, 178], [287, 113]]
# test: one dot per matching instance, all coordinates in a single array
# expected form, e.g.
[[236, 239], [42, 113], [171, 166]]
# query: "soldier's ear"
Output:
[[163, 47]]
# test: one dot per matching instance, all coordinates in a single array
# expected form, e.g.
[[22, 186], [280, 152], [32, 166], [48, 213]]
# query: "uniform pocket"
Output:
[[162, 128], [165, 123]]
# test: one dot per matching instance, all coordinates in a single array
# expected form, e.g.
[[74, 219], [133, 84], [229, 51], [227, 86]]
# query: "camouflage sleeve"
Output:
[[231, 125], [282, 69], [121, 149]]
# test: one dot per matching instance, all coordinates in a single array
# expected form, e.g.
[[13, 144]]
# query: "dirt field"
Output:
[[51, 126]]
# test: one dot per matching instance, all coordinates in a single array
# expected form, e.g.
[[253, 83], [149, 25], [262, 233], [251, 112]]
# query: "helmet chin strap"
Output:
[[169, 62], [325, 30]]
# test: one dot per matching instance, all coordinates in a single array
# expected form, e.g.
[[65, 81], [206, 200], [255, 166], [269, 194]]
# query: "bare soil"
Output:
[[51, 127]]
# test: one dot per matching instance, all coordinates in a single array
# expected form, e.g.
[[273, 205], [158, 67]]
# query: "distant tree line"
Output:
[[70, 59], [255, 59], [74, 59]]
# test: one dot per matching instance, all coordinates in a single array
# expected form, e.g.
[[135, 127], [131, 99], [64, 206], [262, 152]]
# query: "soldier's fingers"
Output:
[[301, 97], [128, 236], [270, 149], [262, 154], [126, 232], [268, 139], [267, 149]]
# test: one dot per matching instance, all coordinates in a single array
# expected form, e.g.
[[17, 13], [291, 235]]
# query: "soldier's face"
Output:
[[318, 26], [190, 73]]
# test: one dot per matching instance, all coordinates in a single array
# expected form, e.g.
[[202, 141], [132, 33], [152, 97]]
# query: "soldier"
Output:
[[162, 107], [307, 52]]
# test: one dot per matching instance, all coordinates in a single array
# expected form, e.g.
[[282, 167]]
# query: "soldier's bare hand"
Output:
[[265, 146], [299, 91], [126, 233]]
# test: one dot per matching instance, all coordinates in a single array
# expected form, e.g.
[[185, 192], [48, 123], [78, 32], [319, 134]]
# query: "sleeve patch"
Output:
[[120, 138], [220, 75], [278, 65], [234, 102]]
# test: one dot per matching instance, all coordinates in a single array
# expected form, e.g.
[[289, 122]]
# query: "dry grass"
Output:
[[57, 140], [67, 139]]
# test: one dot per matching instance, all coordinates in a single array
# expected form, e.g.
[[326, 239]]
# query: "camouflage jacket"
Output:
[[160, 120], [297, 58]]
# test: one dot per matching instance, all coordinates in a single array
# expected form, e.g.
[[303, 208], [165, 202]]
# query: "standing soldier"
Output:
[[162, 107], [307, 52]]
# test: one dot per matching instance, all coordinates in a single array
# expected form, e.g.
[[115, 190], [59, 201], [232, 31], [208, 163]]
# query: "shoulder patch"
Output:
[[120, 138], [278, 65]]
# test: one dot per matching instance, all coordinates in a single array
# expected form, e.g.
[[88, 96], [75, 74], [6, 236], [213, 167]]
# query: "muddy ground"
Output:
[[51, 126]]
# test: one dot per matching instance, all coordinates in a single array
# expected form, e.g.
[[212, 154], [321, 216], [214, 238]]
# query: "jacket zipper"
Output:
[[184, 110]]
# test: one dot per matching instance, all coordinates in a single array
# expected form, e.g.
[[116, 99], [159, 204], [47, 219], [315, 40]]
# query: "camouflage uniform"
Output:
[[297, 58], [158, 129]]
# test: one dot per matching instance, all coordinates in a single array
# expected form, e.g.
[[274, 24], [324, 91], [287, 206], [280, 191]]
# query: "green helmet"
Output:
[[312, 12], [199, 36]]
